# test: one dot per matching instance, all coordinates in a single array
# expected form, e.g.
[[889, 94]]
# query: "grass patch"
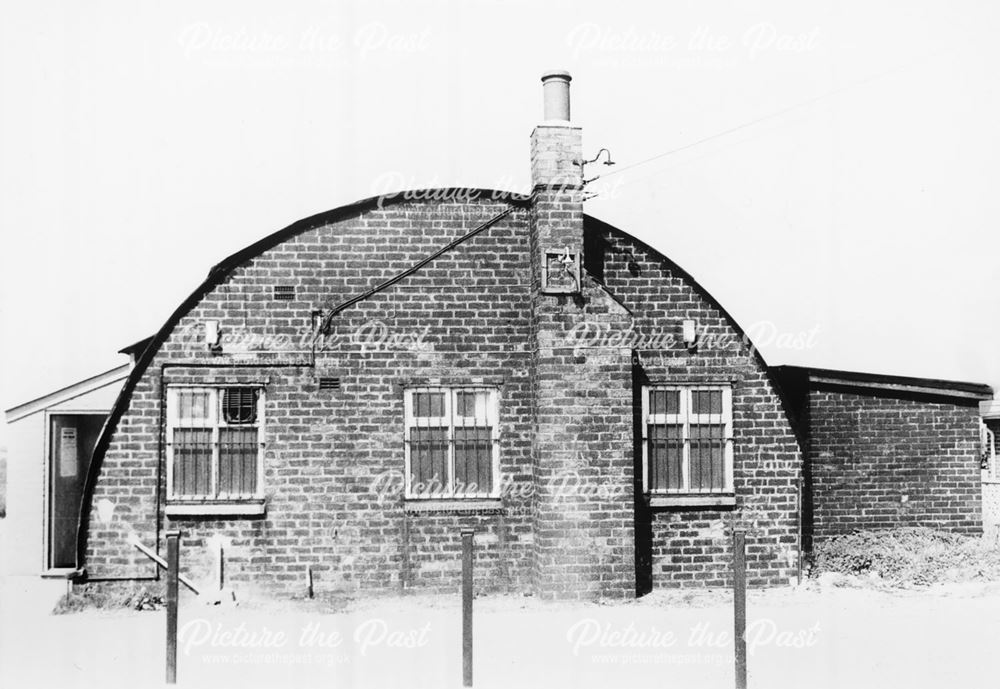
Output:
[[909, 557], [118, 598]]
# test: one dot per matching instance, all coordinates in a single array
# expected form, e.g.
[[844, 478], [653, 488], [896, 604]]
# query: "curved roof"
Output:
[[776, 383], [222, 270], [679, 272]]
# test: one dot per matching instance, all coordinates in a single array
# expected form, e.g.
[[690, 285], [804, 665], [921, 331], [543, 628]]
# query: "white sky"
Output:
[[142, 142]]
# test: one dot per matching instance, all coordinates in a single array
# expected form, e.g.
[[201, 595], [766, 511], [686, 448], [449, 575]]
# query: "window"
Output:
[[687, 439], [452, 448], [214, 443], [988, 454]]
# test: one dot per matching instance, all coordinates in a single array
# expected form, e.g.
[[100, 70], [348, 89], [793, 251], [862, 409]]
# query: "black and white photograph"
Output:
[[387, 344]]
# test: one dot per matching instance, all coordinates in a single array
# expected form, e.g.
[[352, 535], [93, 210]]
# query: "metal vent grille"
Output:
[[284, 292], [329, 383], [239, 405]]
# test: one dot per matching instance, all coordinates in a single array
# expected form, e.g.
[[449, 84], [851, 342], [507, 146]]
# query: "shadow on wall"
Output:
[[643, 514]]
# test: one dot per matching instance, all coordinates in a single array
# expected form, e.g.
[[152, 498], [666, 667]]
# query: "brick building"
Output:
[[339, 399], [885, 451]]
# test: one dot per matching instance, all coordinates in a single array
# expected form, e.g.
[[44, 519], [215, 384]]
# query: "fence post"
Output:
[[740, 606], [404, 572], [798, 525], [173, 564], [467, 607]]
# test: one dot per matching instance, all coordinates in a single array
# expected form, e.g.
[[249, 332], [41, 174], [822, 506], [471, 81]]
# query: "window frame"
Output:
[[685, 419], [988, 451], [448, 421], [215, 423]]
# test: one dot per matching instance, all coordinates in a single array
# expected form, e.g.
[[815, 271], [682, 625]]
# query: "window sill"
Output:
[[243, 508], [453, 505], [62, 573], [688, 500]]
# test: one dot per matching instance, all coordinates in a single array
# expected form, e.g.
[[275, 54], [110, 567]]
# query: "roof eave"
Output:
[[67, 393], [876, 382]]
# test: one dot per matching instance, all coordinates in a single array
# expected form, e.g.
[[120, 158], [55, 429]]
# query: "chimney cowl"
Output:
[[555, 86]]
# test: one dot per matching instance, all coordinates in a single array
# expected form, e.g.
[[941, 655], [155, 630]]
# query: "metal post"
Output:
[[740, 606], [799, 511], [467, 607], [404, 573], [173, 563], [502, 547], [220, 571]]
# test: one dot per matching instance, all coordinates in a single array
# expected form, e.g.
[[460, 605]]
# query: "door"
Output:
[[71, 444]]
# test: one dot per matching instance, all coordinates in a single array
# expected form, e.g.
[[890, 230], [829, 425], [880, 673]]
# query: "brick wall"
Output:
[[584, 518], [689, 546], [879, 461], [584, 544], [326, 449], [566, 413]]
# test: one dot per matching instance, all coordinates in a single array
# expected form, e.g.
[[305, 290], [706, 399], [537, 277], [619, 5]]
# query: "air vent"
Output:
[[239, 405], [329, 383], [284, 292]]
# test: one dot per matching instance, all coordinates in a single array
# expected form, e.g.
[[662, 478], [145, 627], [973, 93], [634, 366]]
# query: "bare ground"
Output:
[[839, 632]]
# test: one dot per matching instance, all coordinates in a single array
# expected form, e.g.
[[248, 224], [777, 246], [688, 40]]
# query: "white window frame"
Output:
[[448, 422], [988, 440], [684, 419], [214, 423]]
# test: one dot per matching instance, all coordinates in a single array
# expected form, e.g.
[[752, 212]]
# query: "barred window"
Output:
[[687, 439], [214, 443], [451, 441]]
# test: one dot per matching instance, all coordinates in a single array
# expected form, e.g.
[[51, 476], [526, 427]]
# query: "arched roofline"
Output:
[[592, 223], [220, 271], [680, 272]]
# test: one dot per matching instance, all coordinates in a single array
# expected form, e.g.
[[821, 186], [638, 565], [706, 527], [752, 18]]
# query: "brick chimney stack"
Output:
[[557, 186], [582, 449]]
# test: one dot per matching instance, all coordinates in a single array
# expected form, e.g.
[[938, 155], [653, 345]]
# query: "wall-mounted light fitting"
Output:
[[689, 333], [213, 336], [560, 271]]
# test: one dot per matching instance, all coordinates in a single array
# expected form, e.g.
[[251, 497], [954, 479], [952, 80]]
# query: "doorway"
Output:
[[71, 443]]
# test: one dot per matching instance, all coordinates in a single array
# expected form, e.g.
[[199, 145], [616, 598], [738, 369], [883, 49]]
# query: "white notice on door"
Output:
[[68, 461]]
